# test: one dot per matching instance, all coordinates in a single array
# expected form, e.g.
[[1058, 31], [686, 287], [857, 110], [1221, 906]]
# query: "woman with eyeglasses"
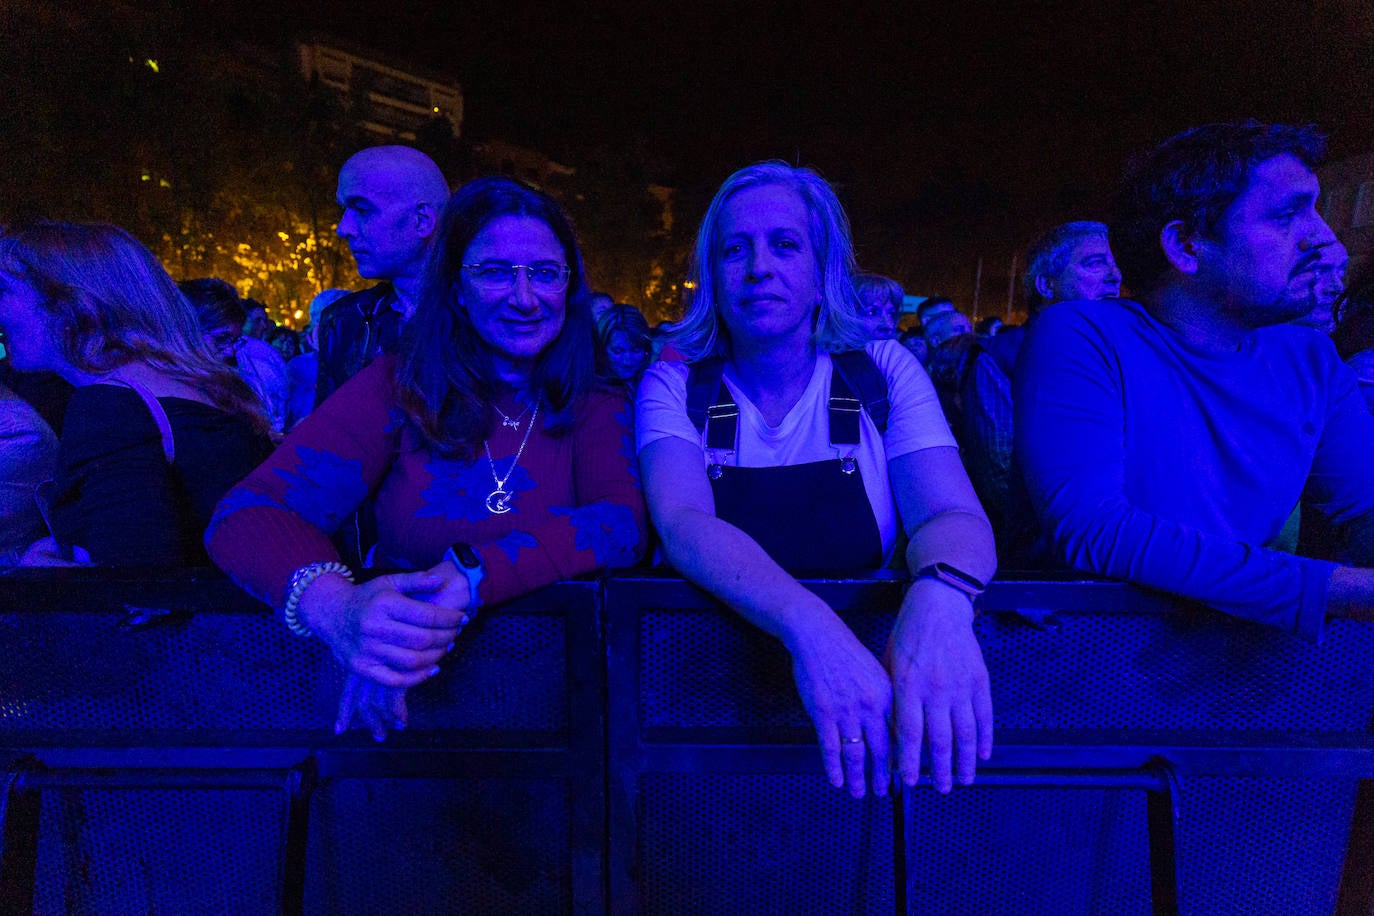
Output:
[[157, 429], [790, 443], [497, 462]]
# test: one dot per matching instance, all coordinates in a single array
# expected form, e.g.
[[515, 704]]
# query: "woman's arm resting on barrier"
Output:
[[390, 630], [842, 684], [380, 706], [939, 682]]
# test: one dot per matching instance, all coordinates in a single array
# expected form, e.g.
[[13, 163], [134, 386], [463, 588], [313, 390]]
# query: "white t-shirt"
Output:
[[914, 423]]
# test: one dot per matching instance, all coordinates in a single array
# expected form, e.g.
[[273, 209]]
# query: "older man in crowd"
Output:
[[1071, 262], [1166, 441], [391, 198]]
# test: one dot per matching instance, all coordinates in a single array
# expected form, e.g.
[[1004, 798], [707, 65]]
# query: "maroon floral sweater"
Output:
[[577, 505]]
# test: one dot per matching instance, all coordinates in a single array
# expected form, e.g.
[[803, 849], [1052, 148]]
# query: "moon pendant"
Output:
[[498, 502]]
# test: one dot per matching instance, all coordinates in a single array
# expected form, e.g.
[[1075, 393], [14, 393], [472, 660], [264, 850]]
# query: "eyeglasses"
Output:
[[546, 276]]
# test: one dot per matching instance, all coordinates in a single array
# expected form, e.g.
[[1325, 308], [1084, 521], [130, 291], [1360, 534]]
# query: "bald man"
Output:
[[391, 198]]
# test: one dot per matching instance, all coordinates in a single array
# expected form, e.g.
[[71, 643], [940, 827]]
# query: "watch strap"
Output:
[[954, 577], [470, 565]]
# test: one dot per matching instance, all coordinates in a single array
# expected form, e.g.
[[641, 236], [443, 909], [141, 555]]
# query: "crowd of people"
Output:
[[1187, 408]]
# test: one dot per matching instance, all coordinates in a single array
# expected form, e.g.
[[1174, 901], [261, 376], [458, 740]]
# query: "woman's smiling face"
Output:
[[519, 322]]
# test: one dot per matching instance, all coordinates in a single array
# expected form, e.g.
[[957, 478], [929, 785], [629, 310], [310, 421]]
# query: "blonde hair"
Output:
[[700, 333]]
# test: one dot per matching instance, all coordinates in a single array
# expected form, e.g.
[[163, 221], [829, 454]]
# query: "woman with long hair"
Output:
[[157, 429], [757, 466], [624, 344], [499, 464]]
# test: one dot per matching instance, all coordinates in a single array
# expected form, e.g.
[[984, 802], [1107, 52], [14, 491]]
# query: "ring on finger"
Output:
[[851, 740]]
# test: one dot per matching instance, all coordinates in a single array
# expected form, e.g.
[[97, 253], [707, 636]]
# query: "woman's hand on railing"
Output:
[[849, 697], [392, 630], [939, 684], [381, 706]]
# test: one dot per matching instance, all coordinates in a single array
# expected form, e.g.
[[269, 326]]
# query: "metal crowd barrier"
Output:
[[626, 746]]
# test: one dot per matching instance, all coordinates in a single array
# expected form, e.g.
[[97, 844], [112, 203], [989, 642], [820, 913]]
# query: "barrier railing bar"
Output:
[[584, 766], [1161, 812], [1309, 756], [1356, 895], [623, 599], [620, 749], [158, 778], [19, 813], [300, 784], [415, 761]]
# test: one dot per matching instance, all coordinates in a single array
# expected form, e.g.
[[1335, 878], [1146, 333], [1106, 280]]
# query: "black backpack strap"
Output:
[[867, 382]]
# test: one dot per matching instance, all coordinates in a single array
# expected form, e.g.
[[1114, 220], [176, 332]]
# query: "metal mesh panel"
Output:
[[709, 668], [762, 844], [212, 671], [138, 851], [1027, 851], [427, 846], [507, 672], [1264, 845], [1118, 671], [85, 671], [1177, 672]]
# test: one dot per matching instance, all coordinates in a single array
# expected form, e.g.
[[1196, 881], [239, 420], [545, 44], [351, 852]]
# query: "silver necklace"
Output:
[[498, 500], [510, 422]]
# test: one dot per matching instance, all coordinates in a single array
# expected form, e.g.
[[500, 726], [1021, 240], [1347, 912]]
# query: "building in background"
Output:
[[390, 102]]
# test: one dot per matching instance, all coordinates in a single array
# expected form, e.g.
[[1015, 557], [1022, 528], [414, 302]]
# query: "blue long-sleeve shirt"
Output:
[[1169, 466]]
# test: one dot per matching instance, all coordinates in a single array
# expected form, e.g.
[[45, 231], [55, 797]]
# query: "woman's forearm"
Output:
[[960, 537], [729, 564]]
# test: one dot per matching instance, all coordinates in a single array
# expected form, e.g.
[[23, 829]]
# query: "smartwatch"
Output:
[[954, 578], [469, 564]]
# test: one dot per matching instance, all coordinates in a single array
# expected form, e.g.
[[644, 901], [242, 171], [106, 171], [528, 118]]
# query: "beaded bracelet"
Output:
[[300, 581]]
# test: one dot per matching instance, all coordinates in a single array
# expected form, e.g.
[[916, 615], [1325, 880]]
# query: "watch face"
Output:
[[466, 556], [954, 576]]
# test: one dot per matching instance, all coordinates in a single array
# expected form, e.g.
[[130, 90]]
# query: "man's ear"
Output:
[[426, 219], [1043, 287], [1180, 247]]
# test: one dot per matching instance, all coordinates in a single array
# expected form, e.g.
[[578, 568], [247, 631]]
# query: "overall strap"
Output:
[[863, 377], [844, 410], [709, 400], [710, 406]]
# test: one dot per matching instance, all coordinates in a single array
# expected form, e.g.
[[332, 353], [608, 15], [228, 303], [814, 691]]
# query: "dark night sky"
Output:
[[1014, 92], [912, 109]]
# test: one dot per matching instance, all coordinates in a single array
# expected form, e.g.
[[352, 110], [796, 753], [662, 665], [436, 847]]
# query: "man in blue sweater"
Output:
[[1166, 441]]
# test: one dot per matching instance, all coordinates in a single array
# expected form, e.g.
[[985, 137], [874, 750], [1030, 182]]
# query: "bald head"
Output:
[[391, 198]]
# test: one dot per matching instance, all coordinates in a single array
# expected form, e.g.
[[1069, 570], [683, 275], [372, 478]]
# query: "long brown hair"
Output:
[[446, 378], [113, 305]]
